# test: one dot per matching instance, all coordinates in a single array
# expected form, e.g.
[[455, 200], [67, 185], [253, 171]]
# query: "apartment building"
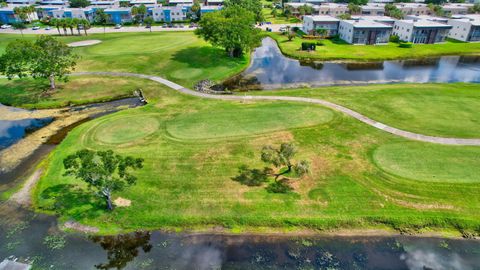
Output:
[[456, 9], [380, 19], [466, 28], [427, 17], [170, 13], [87, 13], [366, 32], [414, 9], [373, 9], [311, 23], [421, 31], [332, 9]]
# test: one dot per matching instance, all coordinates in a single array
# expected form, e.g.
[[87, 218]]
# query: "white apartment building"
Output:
[[364, 32], [380, 19], [169, 13], [421, 31], [414, 9], [311, 23], [465, 29], [456, 9], [78, 13], [373, 9], [332, 9], [427, 17]]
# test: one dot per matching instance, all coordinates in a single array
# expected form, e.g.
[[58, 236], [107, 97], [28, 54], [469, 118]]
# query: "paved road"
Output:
[[97, 30], [354, 114]]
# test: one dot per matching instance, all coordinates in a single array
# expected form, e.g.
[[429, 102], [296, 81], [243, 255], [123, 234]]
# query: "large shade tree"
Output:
[[104, 171], [254, 6], [46, 58], [231, 28]]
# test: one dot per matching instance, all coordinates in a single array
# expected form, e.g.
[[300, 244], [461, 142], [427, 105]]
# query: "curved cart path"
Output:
[[354, 114]]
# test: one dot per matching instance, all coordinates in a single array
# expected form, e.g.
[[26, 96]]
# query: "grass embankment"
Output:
[[30, 94], [441, 109], [178, 56], [192, 148], [343, 51]]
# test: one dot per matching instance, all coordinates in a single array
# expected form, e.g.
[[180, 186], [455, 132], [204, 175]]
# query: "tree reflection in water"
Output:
[[122, 249]]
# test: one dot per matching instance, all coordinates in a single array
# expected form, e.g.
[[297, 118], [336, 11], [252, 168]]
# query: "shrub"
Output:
[[394, 38], [309, 46], [309, 37], [405, 45], [279, 187], [320, 43]]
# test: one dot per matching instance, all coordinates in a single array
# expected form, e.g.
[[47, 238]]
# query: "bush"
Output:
[[309, 46], [279, 187], [394, 38], [320, 43], [405, 45], [309, 37]]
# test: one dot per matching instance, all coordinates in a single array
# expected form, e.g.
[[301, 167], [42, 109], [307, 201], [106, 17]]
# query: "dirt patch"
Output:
[[73, 225], [84, 43], [122, 202], [22, 197]]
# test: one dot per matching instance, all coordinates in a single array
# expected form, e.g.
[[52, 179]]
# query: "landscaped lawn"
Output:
[[343, 51], [193, 147], [446, 110], [178, 56]]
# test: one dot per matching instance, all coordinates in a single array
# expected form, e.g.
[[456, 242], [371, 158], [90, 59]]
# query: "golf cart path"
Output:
[[354, 114]]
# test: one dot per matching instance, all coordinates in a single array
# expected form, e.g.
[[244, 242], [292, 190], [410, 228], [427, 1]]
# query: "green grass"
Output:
[[192, 151], [178, 56], [29, 93], [433, 163], [446, 110], [343, 51]]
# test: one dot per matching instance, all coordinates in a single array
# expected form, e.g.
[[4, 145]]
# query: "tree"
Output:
[[345, 16], [64, 25], [291, 35], [104, 171], [20, 26], [356, 2], [322, 32], [45, 58], [101, 18], [70, 24], [274, 13], [79, 3], [149, 21], [195, 11], [393, 11], [254, 6], [124, 3], [437, 9], [56, 22], [354, 8], [231, 28], [141, 12], [3, 4], [21, 12], [86, 25], [475, 8], [282, 157]]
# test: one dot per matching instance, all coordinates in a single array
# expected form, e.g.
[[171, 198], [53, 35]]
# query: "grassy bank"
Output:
[[30, 94], [192, 148], [178, 56], [441, 109], [342, 51]]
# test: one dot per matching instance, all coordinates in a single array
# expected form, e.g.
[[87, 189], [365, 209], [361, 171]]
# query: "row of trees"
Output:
[[70, 23]]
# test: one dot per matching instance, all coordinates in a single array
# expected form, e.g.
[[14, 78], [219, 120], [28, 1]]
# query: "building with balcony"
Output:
[[466, 28], [414, 8], [332, 9]]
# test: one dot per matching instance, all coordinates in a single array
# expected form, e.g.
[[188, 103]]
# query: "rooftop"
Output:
[[320, 18], [366, 24], [426, 23], [374, 18]]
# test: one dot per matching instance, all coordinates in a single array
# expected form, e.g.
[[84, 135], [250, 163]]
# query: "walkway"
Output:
[[354, 114]]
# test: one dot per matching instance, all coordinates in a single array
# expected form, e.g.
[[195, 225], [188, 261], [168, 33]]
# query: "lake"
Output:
[[270, 69]]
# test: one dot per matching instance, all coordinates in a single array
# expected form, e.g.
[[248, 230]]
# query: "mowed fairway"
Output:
[[179, 56], [192, 151], [445, 110]]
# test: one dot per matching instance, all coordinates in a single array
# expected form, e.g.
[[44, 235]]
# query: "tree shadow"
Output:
[[23, 91], [73, 201], [251, 177], [206, 57]]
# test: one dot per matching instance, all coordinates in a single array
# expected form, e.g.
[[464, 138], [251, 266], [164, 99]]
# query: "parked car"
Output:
[[36, 27], [118, 26], [282, 29], [5, 26], [48, 28], [164, 25]]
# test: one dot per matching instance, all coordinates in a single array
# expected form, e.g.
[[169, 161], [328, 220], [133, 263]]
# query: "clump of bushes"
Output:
[[405, 45], [309, 46], [320, 43], [394, 39]]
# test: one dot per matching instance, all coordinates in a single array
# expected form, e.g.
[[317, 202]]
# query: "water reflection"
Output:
[[12, 131], [273, 70]]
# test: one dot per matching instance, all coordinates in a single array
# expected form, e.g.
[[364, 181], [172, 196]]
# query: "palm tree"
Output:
[[70, 24], [322, 32], [20, 26], [56, 22], [64, 24], [149, 21], [101, 17], [86, 26], [77, 23]]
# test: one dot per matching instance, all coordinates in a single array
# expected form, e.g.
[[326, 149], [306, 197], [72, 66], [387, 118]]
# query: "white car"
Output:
[[6, 26], [48, 28], [118, 26], [36, 28]]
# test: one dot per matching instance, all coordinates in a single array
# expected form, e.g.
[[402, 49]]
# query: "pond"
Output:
[[270, 69], [36, 238]]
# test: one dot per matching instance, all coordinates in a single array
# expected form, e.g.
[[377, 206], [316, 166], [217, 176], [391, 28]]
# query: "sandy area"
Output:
[[84, 43], [22, 197]]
